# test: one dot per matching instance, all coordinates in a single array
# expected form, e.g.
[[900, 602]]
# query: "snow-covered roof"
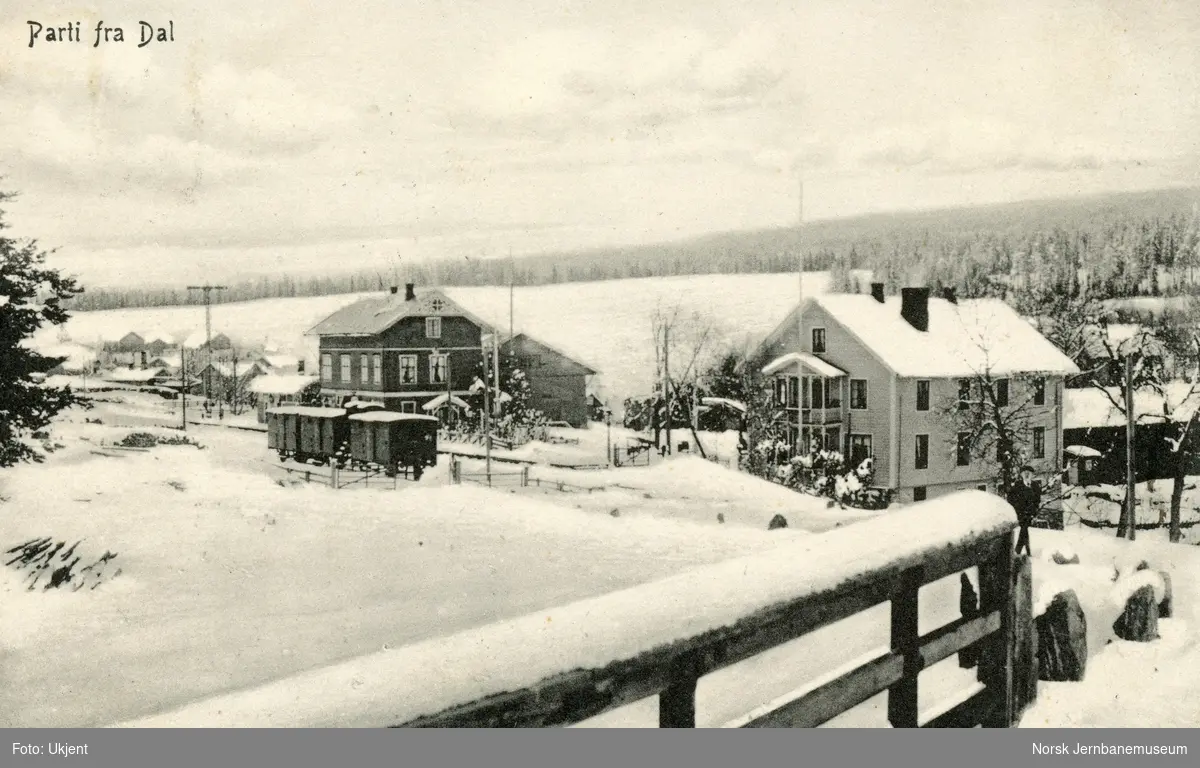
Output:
[[723, 401], [76, 356], [226, 369], [356, 403], [308, 410], [375, 314], [198, 339], [136, 374], [812, 362], [440, 400], [590, 371], [388, 416], [966, 338], [1082, 452], [1091, 407], [281, 361], [168, 360], [281, 384]]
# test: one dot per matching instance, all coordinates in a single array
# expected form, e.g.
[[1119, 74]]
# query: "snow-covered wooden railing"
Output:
[[562, 666]]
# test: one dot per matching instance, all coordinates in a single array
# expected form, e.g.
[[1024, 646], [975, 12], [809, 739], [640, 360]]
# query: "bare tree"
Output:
[[1141, 363], [1182, 438], [683, 348]]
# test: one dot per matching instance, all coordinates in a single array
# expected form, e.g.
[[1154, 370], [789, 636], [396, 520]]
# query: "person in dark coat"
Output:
[[1025, 500]]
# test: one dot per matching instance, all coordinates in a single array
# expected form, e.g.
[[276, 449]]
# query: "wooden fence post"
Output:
[[524, 475], [1025, 661], [677, 704], [902, 697], [996, 651]]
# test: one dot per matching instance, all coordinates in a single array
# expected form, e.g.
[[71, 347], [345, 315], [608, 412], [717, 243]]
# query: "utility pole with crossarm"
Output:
[[207, 289]]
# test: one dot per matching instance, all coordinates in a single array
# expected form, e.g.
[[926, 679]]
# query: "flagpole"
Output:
[[800, 275]]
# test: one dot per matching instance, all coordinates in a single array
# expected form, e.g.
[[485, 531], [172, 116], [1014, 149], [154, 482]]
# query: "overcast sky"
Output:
[[295, 136]]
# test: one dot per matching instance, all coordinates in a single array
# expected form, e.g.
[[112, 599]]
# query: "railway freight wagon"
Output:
[[283, 431], [309, 433], [392, 440]]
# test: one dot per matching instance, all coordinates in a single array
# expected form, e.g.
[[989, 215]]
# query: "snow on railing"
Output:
[[563, 665]]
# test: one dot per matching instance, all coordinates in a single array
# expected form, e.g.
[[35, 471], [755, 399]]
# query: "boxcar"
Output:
[[305, 432], [393, 440]]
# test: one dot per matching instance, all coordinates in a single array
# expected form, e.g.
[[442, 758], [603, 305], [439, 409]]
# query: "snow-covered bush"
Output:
[[825, 473]]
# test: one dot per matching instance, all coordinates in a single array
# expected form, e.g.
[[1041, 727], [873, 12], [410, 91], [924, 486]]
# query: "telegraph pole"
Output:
[[667, 382], [207, 289], [183, 382]]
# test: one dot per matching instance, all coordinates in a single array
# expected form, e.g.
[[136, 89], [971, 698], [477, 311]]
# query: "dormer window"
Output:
[[433, 327]]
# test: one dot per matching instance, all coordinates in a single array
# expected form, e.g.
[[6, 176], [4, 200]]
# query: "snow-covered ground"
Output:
[[234, 577], [1101, 504], [737, 306]]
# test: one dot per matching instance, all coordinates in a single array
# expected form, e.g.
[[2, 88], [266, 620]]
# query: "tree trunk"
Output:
[[1178, 481], [1128, 524]]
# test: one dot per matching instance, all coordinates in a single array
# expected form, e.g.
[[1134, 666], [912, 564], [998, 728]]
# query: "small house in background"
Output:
[[557, 381], [228, 381], [75, 359], [272, 389], [158, 344], [173, 361], [1081, 464]]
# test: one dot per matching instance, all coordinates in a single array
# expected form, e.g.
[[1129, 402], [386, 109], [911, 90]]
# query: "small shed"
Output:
[[1081, 464], [273, 390]]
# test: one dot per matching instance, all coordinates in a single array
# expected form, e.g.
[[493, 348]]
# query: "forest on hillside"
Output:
[[1134, 244]]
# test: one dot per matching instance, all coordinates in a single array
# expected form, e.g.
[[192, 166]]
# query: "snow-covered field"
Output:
[[234, 578], [605, 324]]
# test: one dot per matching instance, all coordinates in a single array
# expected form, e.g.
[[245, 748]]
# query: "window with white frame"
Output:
[[408, 369], [408, 406], [327, 368], [433, 327], [378, 369], [963, 458], [1039, 391], [1002, 393], [439, 368], [780, 390], [923, 395], [860, 449], [364, 369], [818, 340], [1039, 442], [345, 369], [922, 452], [793, 400], [858, 394]]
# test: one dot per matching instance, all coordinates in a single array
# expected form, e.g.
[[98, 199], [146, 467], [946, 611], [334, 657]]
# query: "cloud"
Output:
[[558, 82]]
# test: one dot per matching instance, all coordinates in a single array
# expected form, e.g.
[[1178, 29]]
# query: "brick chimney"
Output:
[[914, 307], [410, 292], [877, 292], [300, 365], [950, 295], [395, 289]]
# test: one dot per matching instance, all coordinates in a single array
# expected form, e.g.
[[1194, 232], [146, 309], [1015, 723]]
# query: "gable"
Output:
[[374, 315], [528, 349]]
